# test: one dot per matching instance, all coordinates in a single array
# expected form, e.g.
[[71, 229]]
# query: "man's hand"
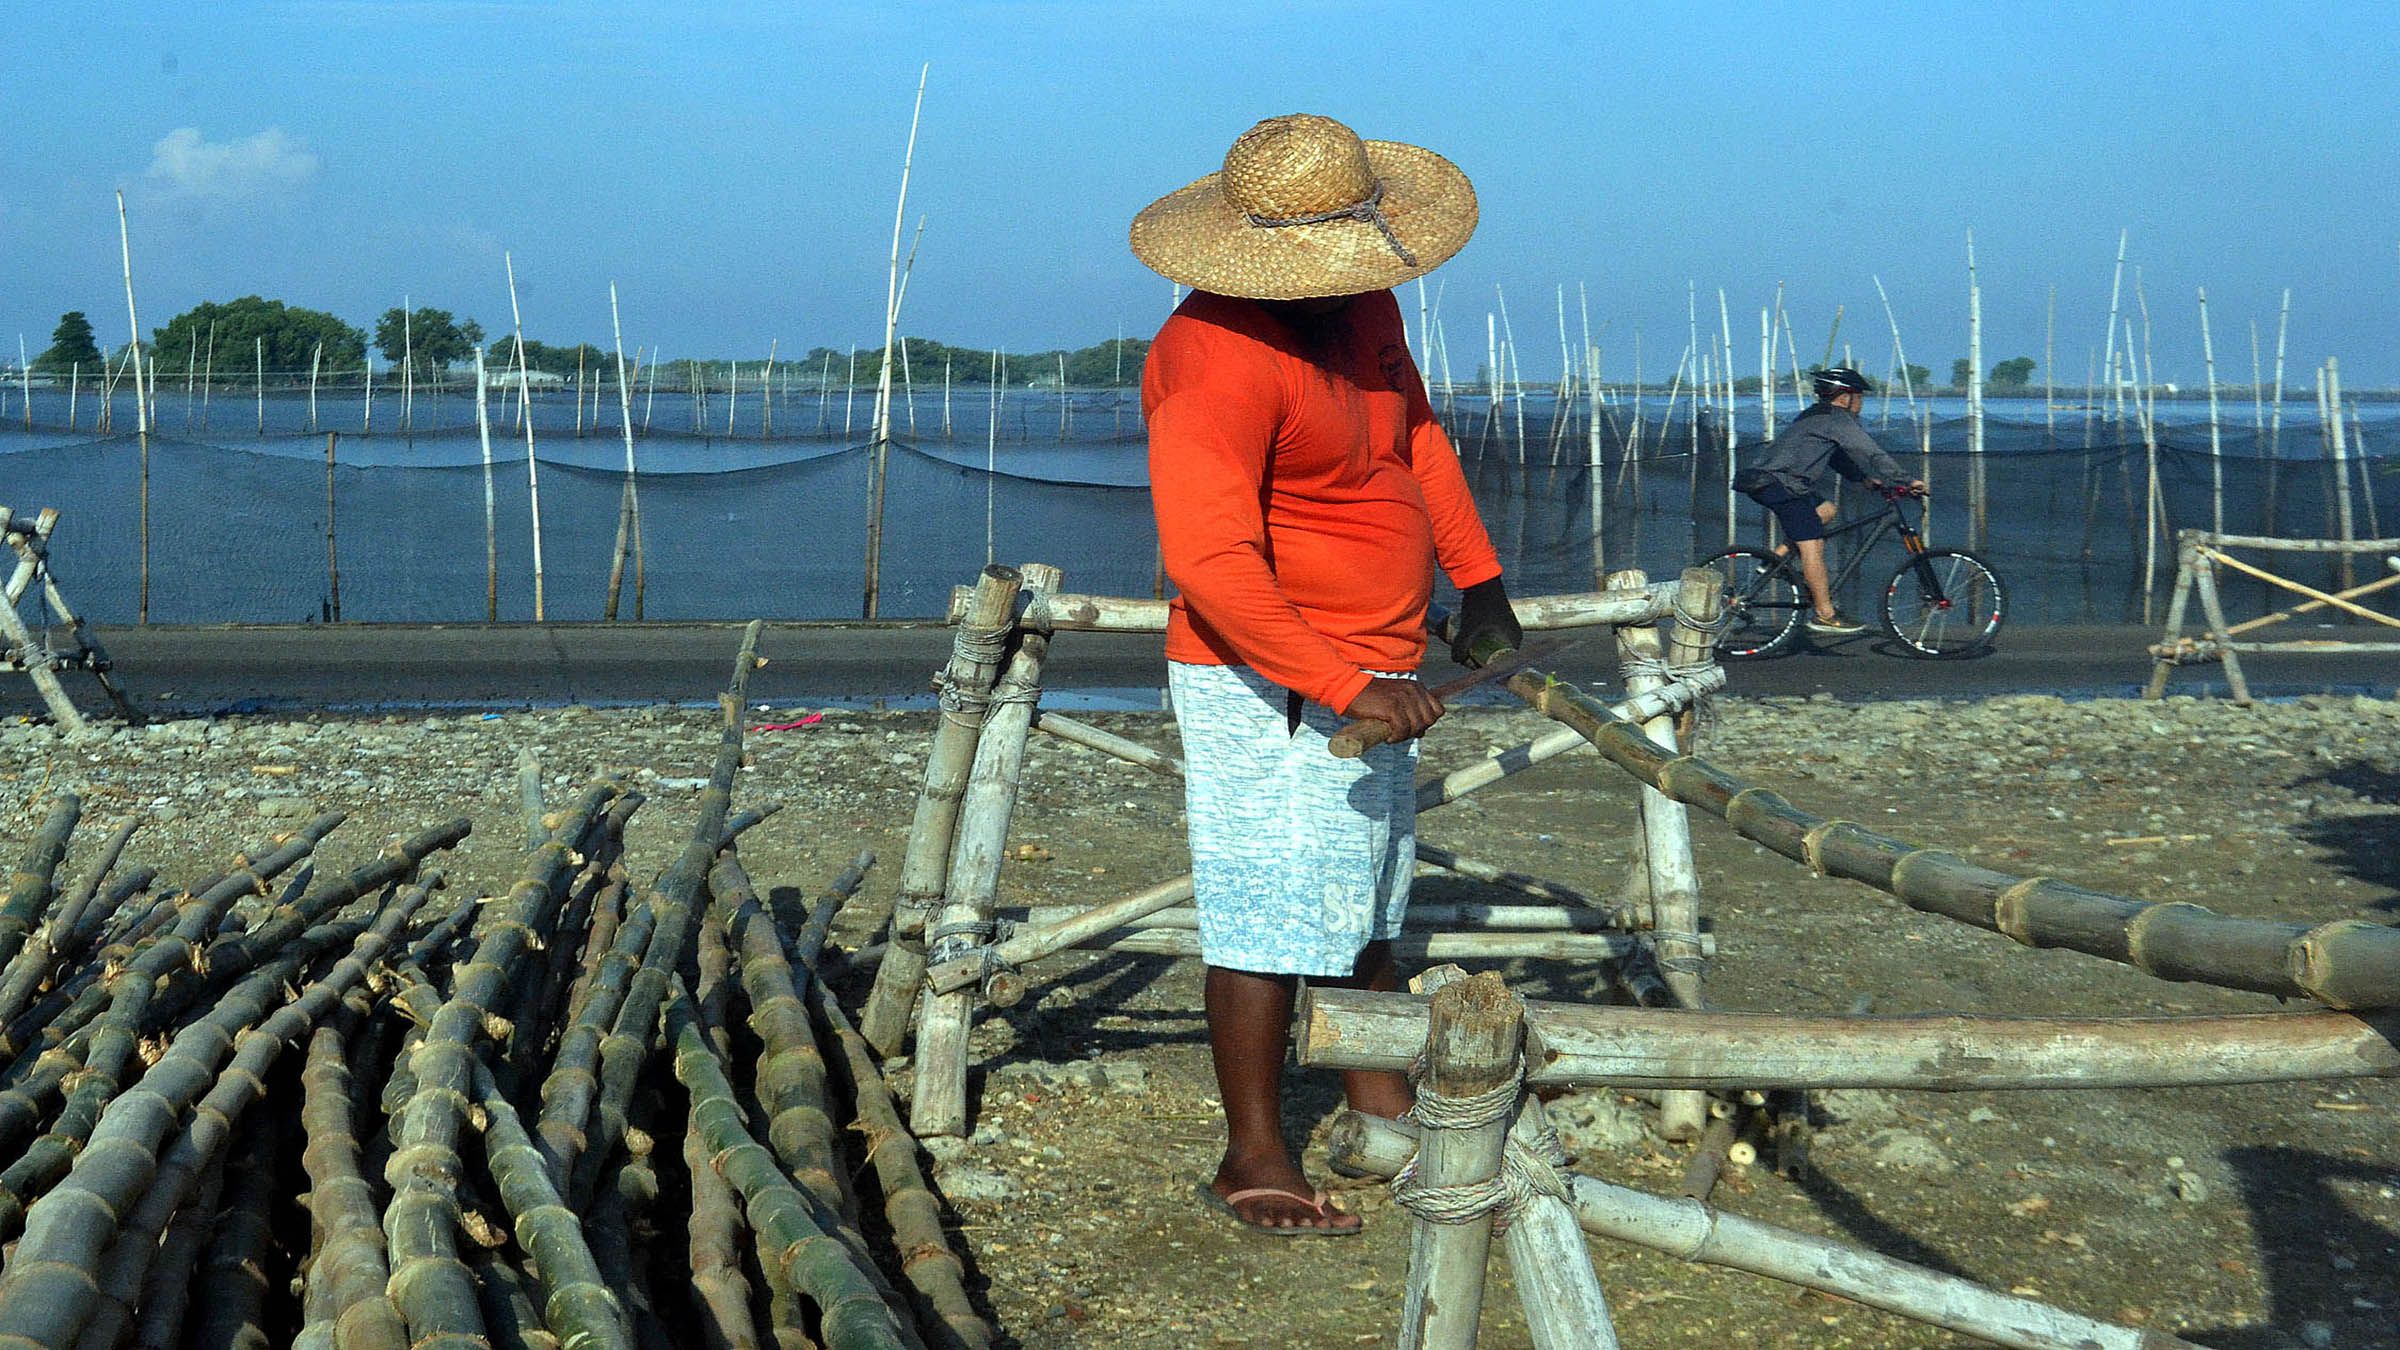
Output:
[[1406, 706], [1484, 618]]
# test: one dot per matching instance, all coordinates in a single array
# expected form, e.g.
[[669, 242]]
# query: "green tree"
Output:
[[561, 361], [1960, 373], [435, 338], [70, 345], [2014, 373], [236, 329], [1919, 377]]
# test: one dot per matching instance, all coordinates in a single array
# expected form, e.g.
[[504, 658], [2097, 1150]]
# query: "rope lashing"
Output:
[[1524, 1174], [1691, 962], [982, 647], [1684, 618], [1369, 210]]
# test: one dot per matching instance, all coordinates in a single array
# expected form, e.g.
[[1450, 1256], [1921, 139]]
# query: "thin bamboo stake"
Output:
[[141, 401], [259, 348], [2216, 444], [881, 453], [2339, 444], [333, 561], [491, 531], [630, 514], [408, 368], [1976, 504], [533, 478], [316, 358]]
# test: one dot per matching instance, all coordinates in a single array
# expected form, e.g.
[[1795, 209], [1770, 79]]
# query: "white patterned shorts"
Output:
[[1299, 860]]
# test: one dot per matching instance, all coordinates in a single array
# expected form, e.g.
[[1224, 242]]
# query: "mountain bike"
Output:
[[1941, 603]]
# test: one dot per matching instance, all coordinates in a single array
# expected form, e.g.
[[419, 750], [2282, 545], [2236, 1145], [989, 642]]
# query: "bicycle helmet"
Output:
[[1841, 380]]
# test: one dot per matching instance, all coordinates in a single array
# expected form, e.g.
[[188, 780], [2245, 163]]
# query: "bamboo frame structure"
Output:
[[1693, 1231], [2199, 553], [961, 828]]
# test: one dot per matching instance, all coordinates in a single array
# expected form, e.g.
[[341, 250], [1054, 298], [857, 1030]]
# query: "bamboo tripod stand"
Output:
[[951, 944], [2198, 557], [21, 651]]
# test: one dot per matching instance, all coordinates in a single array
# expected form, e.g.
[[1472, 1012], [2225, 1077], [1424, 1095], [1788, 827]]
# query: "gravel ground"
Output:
[[2239, 1217]]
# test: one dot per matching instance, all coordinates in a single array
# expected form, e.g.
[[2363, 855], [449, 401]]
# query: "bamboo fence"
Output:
[[2199, 553]]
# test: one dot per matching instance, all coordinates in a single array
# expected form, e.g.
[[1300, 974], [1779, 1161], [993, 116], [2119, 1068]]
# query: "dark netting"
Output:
[[747, 524]]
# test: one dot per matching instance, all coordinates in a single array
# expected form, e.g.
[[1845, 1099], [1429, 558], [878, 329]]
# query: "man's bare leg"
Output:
[[1249, 1034], [1820, 582]]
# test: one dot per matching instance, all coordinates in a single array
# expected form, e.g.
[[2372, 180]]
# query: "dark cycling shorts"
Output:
[[1795, 511]]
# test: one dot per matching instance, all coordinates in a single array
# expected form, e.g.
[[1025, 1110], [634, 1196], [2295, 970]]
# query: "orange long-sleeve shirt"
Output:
[[1303, 497]]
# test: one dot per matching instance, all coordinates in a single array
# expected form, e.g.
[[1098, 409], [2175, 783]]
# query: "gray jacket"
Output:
[[1825, 437]]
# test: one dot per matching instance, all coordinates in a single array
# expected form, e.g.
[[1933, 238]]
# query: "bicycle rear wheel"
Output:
[[1762, 603], [1944, 604]]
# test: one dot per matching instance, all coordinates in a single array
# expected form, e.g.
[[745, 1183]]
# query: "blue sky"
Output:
[[732, 168]]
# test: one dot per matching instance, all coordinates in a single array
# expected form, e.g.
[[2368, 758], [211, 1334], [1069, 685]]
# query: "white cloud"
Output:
[[267, 165]]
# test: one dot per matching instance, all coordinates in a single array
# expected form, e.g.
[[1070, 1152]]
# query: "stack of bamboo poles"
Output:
[[952, 941], [352, 1112]]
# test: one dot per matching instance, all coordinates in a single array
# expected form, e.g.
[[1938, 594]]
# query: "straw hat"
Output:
[[1304, 208]]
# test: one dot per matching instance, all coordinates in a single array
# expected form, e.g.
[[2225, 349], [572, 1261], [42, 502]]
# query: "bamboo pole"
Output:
[[2049, 371], [533, 479], [1695, 1232], [491, 533], [1585, 1045], [316, 358], [349, 1262], [970, 889], [881, 452], [333, 561], [2283, 324], [2339, 443], [141, 402], [2343, 964], [259, 350], [1556, 1285], [1068, 612], [976, 654], [713, 1237], [629, 516], [799, 1255], [1666, 842], [2216, 444], [1471, 1052], [430, 1285], [1976, 502]]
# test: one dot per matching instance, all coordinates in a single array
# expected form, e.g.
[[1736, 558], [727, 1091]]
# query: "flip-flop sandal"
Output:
[[1229, 1205]]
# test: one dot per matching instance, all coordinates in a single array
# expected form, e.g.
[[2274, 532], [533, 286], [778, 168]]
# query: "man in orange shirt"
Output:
[[1304, 495]]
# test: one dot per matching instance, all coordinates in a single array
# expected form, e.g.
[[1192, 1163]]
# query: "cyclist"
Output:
[[1789, 479]]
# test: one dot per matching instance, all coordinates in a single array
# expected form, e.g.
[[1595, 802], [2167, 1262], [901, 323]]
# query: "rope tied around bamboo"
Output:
[[966, 699], [1527, 1171]]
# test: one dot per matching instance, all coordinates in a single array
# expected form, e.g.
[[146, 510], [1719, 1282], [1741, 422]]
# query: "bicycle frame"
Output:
[[1887, 521]]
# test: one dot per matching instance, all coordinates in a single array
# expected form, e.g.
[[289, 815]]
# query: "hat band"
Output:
[[1369, 210]]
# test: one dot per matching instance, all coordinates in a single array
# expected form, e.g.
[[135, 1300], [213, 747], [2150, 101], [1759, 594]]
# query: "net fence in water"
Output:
[[754, 525]]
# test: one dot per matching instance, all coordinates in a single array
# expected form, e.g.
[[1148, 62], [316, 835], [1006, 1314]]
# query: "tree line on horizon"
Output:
[[236, 337]]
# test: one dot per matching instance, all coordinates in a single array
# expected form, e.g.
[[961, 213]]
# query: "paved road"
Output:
[[182, 671]]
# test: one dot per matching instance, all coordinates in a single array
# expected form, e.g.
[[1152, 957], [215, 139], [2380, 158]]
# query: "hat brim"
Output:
[[1196, 237]]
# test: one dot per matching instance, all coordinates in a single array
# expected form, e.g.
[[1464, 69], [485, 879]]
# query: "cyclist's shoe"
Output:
[[1840, 625]]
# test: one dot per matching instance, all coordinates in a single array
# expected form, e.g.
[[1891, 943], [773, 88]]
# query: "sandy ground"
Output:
[[2239, 1217]]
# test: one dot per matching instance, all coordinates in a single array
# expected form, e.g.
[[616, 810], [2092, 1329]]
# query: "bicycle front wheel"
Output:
[[1762, 603], [1943, 604]]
